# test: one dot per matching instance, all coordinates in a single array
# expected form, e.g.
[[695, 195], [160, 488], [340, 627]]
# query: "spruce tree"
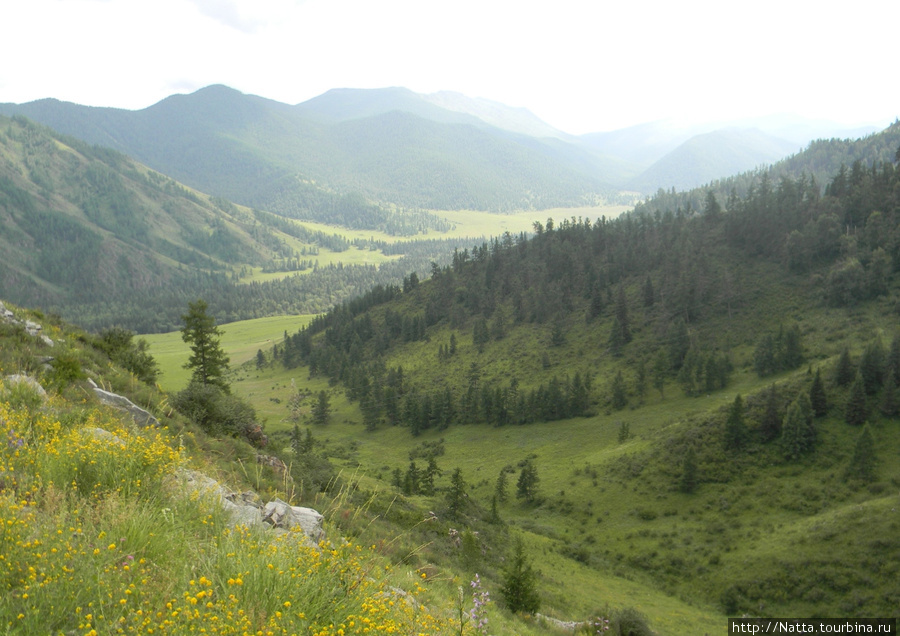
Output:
[[321, 410], [688, 482], [208, 361], [735, 429], [500, 490], [890, 400], [856, 413], [618, 395], [817, 396], [456, 494], [795, 440], [770, 427], [526, 486], [622, 315], [844, 373], [871, 366], [520, 583], [862, 463]]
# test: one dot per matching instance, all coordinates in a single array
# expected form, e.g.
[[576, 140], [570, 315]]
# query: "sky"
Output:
[[580, 65]]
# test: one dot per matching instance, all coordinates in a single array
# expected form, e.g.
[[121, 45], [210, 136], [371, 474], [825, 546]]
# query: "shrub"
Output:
[[213, 410]]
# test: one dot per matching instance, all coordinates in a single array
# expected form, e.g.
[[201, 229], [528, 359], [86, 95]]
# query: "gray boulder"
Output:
[[141, 416]]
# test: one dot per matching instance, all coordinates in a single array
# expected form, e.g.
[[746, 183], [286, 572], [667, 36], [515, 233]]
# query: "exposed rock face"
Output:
[[141, 416]]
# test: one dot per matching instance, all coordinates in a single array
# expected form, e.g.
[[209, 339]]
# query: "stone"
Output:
[[13, 380], [141, 416]]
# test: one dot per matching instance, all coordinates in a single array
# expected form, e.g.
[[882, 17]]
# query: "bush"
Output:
[[213, 410]]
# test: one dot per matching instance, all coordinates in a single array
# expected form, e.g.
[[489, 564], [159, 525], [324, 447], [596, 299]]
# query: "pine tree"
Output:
[[871, 366], [618, 396], [862, 464], [412, 479], [844, 373], [856, 412], [526, 486], [890, 400], [817, 396], [622, 315], [208, 360], [500, 489], [456, 494], [795, 440], [519, 588], [770, 427], [688, 482], [735, 429], [648, 293], [321, 410]]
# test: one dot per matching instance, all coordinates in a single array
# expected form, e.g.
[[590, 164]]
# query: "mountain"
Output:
[[709, 156], [390, 146], [645, 144], [90, 234]]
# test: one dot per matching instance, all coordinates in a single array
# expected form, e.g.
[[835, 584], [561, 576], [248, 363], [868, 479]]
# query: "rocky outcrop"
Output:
[[247, 509], [31, 328], [141, 416]]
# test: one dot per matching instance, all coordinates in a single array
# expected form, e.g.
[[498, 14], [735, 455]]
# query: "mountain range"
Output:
[[395, 147]]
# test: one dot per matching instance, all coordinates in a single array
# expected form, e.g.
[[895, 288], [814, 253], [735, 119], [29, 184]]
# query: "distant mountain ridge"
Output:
[[395, 147]]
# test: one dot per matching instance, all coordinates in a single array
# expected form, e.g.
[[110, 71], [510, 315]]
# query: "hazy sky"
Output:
[[581, 65]]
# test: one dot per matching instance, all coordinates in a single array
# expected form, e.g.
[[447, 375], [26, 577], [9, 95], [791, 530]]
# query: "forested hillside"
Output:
[[100, 239], [709, 391]]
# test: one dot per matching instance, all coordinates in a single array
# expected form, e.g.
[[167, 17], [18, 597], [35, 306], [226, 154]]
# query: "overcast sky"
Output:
[[580, 65]]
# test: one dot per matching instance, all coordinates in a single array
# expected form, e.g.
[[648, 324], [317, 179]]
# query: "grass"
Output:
[[241, 340], [98, 539]]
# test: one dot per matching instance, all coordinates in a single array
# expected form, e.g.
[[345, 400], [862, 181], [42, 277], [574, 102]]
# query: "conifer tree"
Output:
[[208, 360], [862, 463], [844, 373], [618, 396], [688, 482], [795, 441], [622, 315], [456, 494], [735, 429], [500, 489], [871, 366], [770, 427], [526, 486], [321, 410], [890, 400], [520, 583], [856, 412], [817, 396]]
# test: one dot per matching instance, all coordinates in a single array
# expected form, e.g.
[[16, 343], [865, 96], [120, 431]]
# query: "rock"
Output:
[[279, 514], [256, 436], [13, 380], [32, 328], [246, 508], [141, 417], [272, 462]]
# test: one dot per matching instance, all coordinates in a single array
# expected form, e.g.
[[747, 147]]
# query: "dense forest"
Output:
[[676, 268]]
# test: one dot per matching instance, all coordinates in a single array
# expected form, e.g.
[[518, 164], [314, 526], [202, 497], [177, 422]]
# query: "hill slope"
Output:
[[100, 239], [658, 372]]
